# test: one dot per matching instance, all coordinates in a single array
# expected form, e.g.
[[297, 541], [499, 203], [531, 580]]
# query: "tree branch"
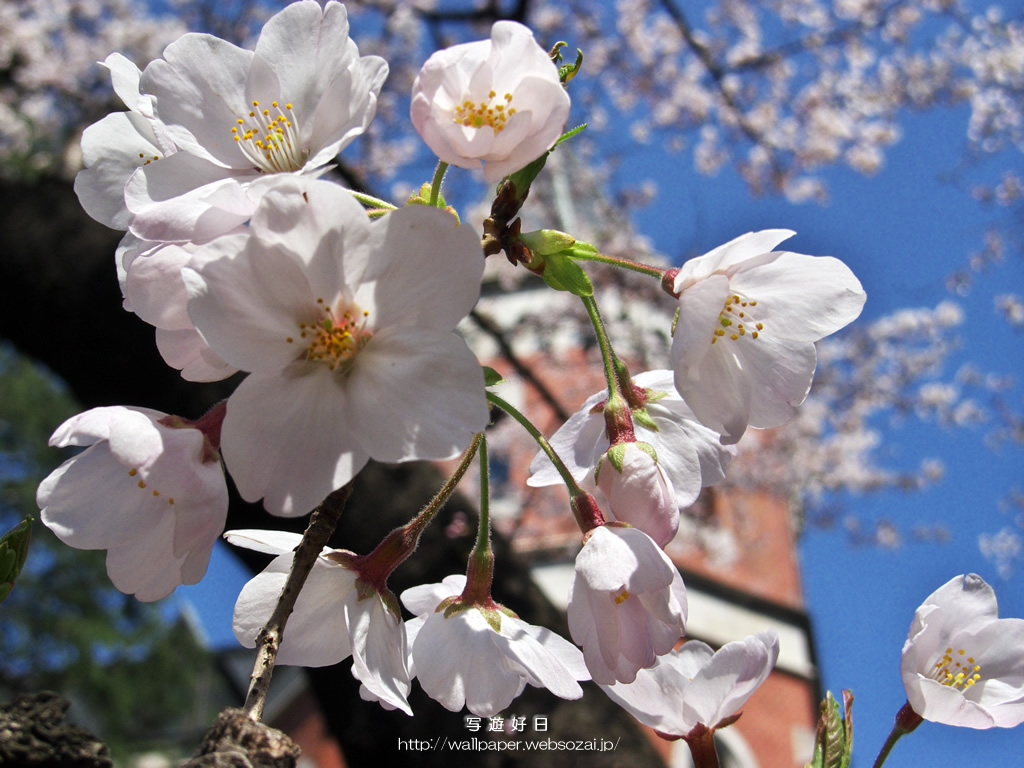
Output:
[[321, 525]]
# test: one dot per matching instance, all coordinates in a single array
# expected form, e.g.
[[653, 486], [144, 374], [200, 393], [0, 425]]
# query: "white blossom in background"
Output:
[[53, 84], [481, 657], [697, 685], [149, 489], [335, 616], [495, 103], [627, 603], [743, 349], [240, 118], [1011, 307], [346, 327], [963, 665]]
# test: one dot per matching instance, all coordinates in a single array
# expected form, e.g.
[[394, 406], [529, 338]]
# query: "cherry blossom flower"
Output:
[[627, 603], [241, 118], [962, 664], [149, 489], [483, 658], [689, 453], [638, 491], [346, 327], [743, 348], [153, 288], [695, 685], [494, 103], [335, 615], [114, 147]]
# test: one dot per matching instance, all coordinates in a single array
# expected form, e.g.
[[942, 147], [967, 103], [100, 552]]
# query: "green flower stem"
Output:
[[480, 570], [371, 201], [435, 185], [906, 721], [567, 478], [617, 414], [607, 354], [633, 266]]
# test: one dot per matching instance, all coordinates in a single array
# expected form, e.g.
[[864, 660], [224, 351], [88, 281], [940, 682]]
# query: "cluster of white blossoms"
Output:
[[246, 259]]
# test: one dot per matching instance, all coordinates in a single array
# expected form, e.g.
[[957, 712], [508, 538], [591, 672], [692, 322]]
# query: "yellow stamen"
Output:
[[483, 114]]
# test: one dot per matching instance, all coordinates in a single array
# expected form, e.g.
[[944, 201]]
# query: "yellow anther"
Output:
[[622, 596], [334, 340], [483, 114], [271, 143], [731, 314]]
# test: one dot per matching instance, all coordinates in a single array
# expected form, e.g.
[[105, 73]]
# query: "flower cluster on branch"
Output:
[[341, 309]]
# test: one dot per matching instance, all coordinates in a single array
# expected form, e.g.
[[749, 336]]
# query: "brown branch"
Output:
[[321, 525], [717, 73]]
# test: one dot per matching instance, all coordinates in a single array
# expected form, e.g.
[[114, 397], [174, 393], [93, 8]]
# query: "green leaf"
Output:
[[491, 376], [564, 274], [567, 72], [833, 740], [13, 551], [569, 134]]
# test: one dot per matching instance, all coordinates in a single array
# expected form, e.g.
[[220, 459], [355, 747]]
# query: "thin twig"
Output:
[[321, 525]]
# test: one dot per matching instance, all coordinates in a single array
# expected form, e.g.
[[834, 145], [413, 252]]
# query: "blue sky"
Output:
[[903, 232]]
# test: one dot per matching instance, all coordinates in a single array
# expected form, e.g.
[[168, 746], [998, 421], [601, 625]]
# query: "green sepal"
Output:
[[455, 606], [643, 418], [648, 449], [13, 552], [365, 590], [491, 376], [833, 739], [491, 615], [564, 274], [654, 395], [423, 198], [616, 455]]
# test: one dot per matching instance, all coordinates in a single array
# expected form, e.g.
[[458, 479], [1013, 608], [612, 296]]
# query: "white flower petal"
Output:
[[316, 633], [405, 406], [289, 427]]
